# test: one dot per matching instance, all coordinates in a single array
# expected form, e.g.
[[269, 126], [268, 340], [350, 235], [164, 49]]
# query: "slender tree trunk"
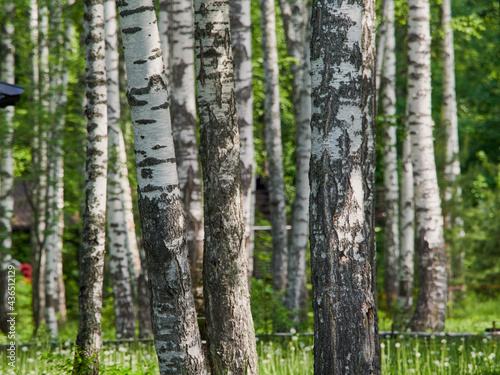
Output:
[[272, 126], [175, 327], [342, 166], [431, 255], [231, 337], [6, 163], [296, 20], [183, 115], [117, 223], [405, 291], [91, 264], [449, 114], [164, 30], [391, 184], [39, 161], [241, 37]]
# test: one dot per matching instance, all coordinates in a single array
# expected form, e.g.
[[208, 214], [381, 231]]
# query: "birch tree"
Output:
[[391, 184], [449, 110], [272, 128], [406, 270], [342, 249], [117, 173], [183, 116], [295, 17], [91, 265], [241, 39], [6, 162], [174, 321], [430, 310], [231, 337]]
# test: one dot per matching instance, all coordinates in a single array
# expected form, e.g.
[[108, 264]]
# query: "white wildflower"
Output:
[[473, 355], [398, 345], [491, 356], [418, 355]]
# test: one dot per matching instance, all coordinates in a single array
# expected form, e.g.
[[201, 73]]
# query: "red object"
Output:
[[26, 271]]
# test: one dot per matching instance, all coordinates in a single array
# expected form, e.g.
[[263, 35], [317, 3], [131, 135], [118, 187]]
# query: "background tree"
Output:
[[272, 126], [391, 180], [183, 117], [241, 38], [91, 263], [342, 257], [295, 17], [231, 338], [6, 162], [174, 322], [430, 310], [117, 173]]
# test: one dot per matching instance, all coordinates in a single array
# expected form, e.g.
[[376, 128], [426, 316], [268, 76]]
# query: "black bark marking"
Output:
[[131, 30], [145, 121], [128, 12], [161, 106], [146, 173], [157, 147], [151, 161], [139, 62]]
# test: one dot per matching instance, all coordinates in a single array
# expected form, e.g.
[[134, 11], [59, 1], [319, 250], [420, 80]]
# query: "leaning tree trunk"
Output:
[[295, 17], [430, 310], [183, 115], [342, 242], [241, 39], [231, 338], [6, 164], [391, 181], [449, 111], [91, 264], [175, 328], [117, 223], [405, 290], [272, 126]]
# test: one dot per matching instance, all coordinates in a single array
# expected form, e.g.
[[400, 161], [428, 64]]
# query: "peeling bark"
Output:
[[231, 337], [342, 177]]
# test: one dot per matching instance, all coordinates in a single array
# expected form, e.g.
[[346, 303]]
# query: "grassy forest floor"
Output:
[[401, 354]]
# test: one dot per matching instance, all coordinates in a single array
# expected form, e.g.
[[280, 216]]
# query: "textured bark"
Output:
[[431, 256], [342, 166], [295, 17], [183, 115], [91, 263], [175, 328], [272, 128], [449, 113], [406, 270], [6, 163], [391, 181], [116, 217], [231, 338], [241, 39], [163, 28]]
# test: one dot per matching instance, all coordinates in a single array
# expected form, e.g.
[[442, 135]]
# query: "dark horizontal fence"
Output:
[[285, 335]]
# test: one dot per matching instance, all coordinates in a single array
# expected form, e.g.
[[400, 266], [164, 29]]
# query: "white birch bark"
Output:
[[295, 17], [183, 115], [272, 128], [431, 256], [406, 270], [231, 337], [174, 321], [6, 163], [449, 114], [116, 217], [91, 265], [39, 19], [341, 211], [391, 181], [241, 38], [164, 30]]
